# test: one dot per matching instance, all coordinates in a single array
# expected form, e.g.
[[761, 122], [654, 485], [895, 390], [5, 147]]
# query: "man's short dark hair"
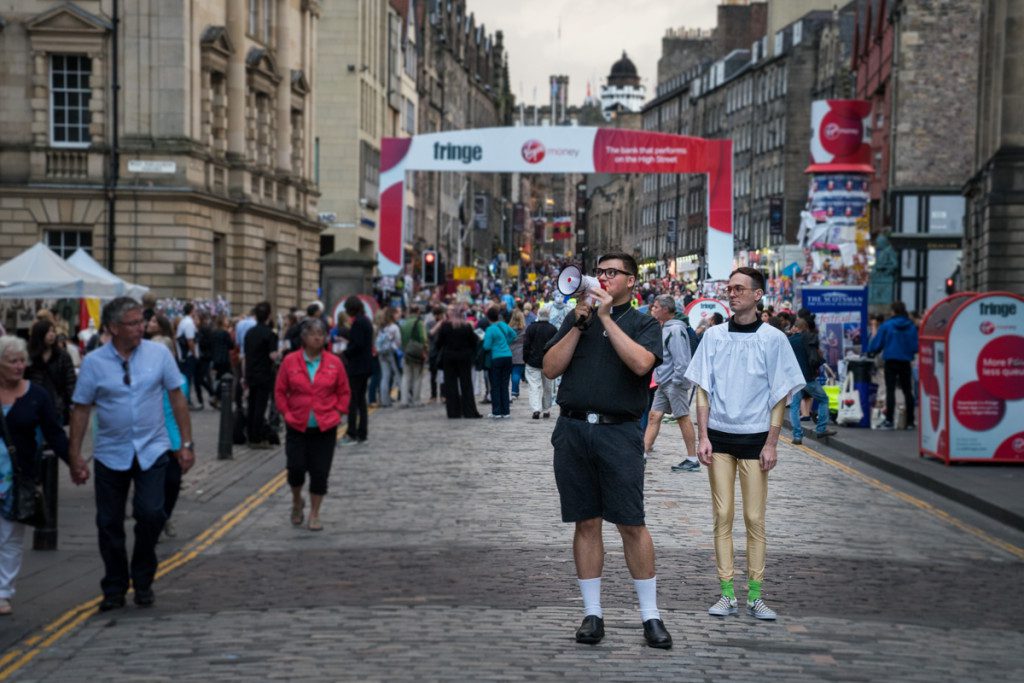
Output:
[[493, 314], [899, 308], [627, 260], [753, 273], [313, 311], [114, 311], [187, 308], [354, 306], [262, 312]]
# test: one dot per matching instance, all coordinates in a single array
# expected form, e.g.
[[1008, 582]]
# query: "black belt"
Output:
[[596, 418]]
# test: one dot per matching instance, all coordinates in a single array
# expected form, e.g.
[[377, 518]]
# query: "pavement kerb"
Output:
[[1010, 548], [987, 508]]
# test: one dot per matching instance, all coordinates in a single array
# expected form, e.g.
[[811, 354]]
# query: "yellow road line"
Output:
[[984, 536], [33, 645]]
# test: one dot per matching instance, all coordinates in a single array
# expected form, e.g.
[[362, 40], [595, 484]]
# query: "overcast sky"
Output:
[[593, 35]]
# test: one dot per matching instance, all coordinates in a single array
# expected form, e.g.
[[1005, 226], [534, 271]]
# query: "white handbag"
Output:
[[850, 410]]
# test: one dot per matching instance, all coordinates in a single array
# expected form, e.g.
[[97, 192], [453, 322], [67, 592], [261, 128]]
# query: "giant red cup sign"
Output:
[[840, 136]]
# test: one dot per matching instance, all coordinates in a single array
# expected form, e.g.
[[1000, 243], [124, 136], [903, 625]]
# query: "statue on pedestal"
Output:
[[882, 283]]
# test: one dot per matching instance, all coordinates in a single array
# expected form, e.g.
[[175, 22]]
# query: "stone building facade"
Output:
[[217, 96], [762, 102], [994, 240], [463, 83]]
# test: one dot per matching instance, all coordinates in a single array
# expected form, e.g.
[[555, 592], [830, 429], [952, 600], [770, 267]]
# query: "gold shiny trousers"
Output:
[[754, 488]]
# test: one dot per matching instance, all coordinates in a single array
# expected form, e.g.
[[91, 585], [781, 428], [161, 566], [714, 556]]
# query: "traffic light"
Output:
[[950, 286], [430, 268]]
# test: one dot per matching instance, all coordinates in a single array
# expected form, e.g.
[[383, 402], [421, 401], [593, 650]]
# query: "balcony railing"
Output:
[[67, 164]]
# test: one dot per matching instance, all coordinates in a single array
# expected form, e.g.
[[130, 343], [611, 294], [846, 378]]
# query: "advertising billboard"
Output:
[[840, 136], [841, 315], [701, 309]]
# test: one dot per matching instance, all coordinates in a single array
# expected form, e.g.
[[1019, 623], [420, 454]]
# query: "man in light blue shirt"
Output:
[[125, 380]]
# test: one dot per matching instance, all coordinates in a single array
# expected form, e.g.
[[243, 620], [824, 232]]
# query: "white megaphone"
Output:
[[572, 282]]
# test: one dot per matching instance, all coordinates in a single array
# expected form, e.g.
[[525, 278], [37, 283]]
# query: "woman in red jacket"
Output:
[[312, 394]]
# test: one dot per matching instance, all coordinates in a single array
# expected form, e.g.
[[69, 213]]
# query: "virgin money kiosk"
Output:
[[971, 379], [702, 309]]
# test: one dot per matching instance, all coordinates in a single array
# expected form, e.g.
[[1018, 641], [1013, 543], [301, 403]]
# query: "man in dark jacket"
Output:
[[897, 340], [799, 342], [358, 358], [535, 338], [260, 353]]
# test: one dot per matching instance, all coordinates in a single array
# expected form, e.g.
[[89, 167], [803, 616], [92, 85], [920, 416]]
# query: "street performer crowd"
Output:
[[619, 360]]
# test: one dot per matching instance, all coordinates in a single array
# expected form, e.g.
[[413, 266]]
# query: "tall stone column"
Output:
[[236, 84], [284, 88]]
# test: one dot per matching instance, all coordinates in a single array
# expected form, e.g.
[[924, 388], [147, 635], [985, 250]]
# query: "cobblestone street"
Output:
[[443, 558]]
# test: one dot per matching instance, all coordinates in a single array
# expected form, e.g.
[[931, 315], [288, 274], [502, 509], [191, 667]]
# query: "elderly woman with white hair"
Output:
[[27, 411]]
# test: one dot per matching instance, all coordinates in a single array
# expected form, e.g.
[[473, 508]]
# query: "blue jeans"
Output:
[[147, 509], [501, 374], [813, 390], [517, 375]]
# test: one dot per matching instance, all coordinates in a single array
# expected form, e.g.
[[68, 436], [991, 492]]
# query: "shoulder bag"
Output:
[[28, 506]]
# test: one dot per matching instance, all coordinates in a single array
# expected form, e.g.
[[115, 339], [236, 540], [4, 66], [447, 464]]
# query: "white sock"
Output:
[[691, 458], [647, 593], [591, 590]]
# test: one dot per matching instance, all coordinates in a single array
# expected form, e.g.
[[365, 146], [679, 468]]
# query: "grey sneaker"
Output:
[[686, 466], [724, 607], [797, 440], [759, 610]]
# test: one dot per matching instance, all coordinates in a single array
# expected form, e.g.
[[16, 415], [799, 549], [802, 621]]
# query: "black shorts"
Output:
[[599, 471]]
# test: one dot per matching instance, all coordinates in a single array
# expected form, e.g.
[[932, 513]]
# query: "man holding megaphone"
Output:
[[605, 351]]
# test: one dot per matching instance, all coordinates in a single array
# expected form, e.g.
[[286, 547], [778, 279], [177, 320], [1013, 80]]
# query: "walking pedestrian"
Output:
[[125, 380], [51, 367], [358, 358], [518, 324], [204, 362], [535, 339], [312, 393], [389, 343], [457, 342], [744, 371], [810, 360], [188, 351], [497, 340], [28, 410], [260, 355], [435, 355], [605, 359], [673, 392], [220, 355], [897, 341], [414, 355]]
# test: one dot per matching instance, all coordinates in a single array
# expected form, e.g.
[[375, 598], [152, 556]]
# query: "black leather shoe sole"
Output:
[[591, 631], [112, 602]]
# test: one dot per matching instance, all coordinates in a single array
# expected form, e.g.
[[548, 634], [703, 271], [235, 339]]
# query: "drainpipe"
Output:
[[115, 163]]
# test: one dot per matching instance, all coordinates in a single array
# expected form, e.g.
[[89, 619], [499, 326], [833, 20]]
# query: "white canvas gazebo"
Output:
[[84, 262], [38, 273]]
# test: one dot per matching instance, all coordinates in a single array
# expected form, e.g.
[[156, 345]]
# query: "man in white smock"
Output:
[[745, 372]]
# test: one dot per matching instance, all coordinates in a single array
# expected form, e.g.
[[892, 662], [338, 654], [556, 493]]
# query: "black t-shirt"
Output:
[[260, 342], [740, 446], [597, 380]]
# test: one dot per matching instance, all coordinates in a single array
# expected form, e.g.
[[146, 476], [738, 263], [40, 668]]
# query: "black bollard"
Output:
[[225, 440], [45, 537]]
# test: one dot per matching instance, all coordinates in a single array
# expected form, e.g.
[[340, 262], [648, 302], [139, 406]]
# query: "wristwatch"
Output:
[[189, 445]]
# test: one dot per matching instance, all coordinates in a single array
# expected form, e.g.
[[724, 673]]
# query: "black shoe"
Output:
[[144, 597], [806, 418], [824, 434], [536, 415], [112, 602], [591, 631], [656, 634], [797, 441], [547, 415]]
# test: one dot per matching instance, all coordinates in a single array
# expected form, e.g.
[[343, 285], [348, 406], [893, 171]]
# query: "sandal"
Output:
[[314, 524], [297, 515]]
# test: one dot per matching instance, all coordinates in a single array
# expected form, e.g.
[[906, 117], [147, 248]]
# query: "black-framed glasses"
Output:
[[610, 272], [737, 289], [127, 379]]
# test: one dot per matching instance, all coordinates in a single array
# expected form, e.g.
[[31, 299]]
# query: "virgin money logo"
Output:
[[834, 130], [987, 327], [1018, 445], [533, 151]]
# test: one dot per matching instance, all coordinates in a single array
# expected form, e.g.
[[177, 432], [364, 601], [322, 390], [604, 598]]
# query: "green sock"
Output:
[[753, 591], [727, 590]]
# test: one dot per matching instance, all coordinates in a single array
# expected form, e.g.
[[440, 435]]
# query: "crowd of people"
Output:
[[618, 361]]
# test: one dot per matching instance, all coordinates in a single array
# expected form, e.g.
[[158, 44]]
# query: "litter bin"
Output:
[[862, 369]]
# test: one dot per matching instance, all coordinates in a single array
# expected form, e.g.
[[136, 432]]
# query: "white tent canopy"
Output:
[[38, 273], [84, 262]]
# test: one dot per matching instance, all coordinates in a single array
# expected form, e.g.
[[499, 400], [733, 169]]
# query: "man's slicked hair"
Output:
[[627, 260], [753, 273]]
